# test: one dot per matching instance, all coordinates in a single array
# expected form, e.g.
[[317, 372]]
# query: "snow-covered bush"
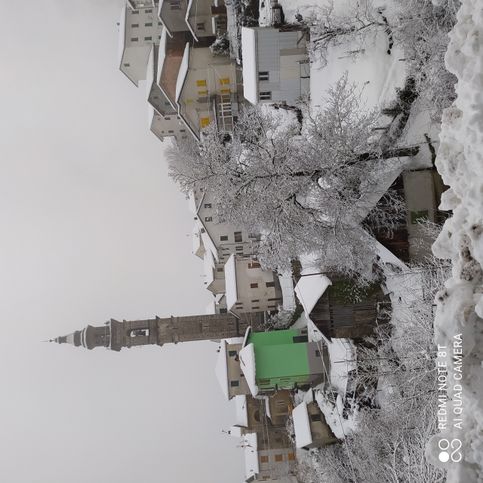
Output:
[[221, 45]]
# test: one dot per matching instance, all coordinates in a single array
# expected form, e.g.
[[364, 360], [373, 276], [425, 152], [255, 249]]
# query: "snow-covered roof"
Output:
[[230, 282], [241, 411], [309, 289], [122, 35], [301, 424], [187, 19], [209, 267], [151, 69], [198, 247], [183, 71], [250, 445], [162, 52], [221, 369], [250, 60], [267, 407], [247, 334], [247, 365]]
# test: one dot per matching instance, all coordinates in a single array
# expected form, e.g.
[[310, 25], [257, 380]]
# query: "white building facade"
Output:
[[275, 65], [138, 31]]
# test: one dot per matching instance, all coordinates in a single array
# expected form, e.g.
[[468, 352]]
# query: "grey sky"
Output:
[[91, 229]]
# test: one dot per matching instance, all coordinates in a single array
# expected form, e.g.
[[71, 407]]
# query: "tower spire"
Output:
[[158, 331]]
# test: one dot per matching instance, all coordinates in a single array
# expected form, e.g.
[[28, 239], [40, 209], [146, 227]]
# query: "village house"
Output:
[[222, 238], [310, 427], [276, 66], [339, 307], [205, 18], [282, 359], [138, 31], [206, 89], [249, 288], [166, 126], [269, 452], [228, 372], [172, 14]]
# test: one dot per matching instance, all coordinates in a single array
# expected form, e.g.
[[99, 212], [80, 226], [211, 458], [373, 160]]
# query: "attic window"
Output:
[[263, 76]]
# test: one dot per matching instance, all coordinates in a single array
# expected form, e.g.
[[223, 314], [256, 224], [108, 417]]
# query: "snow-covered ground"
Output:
[[460, 304]]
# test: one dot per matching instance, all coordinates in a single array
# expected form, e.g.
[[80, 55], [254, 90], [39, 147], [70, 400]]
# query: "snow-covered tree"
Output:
[[306, 190], [332, 24], [422, 30], [221, 45]]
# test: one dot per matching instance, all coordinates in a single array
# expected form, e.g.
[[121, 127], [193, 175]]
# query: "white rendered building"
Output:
[[166, 126], [206, 90], [138, 31], [249, 288], [275, 65]]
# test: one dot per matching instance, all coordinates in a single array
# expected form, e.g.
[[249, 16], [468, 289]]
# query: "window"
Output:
[[265, 96], [300, 338], [148, 38], [200, 26], [225, 81], [170, 131], [208, 218], [223, 311], [234, 383], [182, 130], [232, 353], [224, 238], [274, 300], [139, 333], [238, 237], [317, 353], [148, 24], [204, 122], [201, 83], [264, 459], [203, 93], [254, 265], [270, 284], [254, 285], [134, 39], [256, 308], [134, 25], [148, 11], [225, 91], [315, 417], [174, 5], [239, 249], [279, 457], [263, 76], [219, 269], [207, 205], [126, 65], [291, 457], [135, 12], [254, 301]]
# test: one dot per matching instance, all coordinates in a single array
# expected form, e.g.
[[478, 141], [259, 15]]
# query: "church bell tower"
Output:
[[116, 335]]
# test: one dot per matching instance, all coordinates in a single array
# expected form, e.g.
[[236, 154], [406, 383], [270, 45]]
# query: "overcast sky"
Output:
[[92, 228]]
